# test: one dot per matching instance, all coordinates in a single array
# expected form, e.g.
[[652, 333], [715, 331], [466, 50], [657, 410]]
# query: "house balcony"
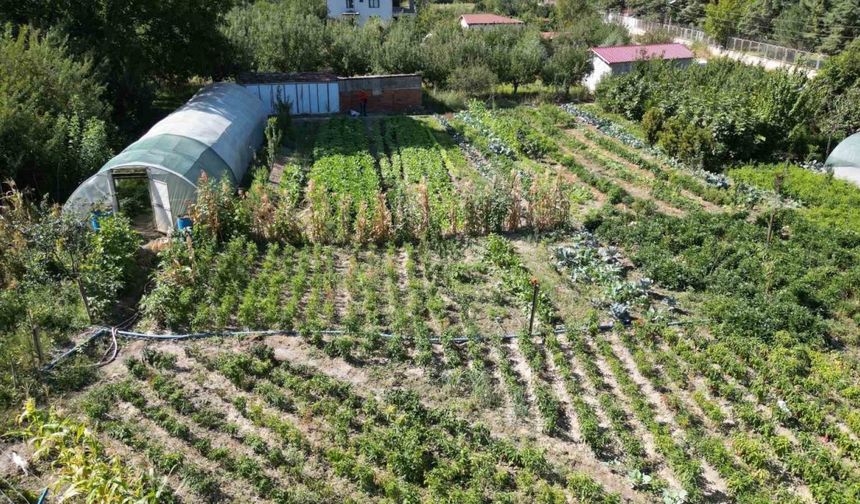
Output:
[[403, 8]]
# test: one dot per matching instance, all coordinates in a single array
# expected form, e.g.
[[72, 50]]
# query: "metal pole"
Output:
[[535, 285]]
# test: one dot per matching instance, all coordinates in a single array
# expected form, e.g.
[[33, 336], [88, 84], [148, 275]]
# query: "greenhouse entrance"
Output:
[[144, 200]]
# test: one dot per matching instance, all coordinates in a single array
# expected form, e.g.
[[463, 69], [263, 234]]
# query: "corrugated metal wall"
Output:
[[385, 93], [305, 98]]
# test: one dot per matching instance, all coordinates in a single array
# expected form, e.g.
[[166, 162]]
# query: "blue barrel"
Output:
[[183, 224]]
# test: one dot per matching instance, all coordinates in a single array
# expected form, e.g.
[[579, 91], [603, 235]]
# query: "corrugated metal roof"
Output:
[[629, 53], [489, 19]]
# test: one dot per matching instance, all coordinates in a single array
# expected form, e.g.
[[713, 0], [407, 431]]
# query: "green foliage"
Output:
[[81, 462], [351, 50], [722, 17], [567, 65], [754, 290], [527, 57], [809, 25], [276, 36], [136, 43], [110, 264], [477, 80], [53, 130], [827, 201], [716, 113]]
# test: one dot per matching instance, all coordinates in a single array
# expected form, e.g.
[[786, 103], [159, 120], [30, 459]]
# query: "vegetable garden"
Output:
[[688, 341]]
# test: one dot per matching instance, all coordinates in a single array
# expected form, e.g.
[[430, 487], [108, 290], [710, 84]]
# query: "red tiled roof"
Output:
[[489, 19], [629, 53]]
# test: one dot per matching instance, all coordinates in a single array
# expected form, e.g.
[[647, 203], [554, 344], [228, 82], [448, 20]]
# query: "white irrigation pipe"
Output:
[[115, 333]]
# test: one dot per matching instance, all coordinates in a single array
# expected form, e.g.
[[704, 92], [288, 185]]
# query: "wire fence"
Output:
[[785, 56]]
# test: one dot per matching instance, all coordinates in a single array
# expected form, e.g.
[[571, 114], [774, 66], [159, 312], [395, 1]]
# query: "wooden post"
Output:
[[37, 342], [535, 285]]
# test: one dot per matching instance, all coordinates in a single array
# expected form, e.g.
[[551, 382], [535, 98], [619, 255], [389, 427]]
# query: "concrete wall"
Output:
[[361, 9]]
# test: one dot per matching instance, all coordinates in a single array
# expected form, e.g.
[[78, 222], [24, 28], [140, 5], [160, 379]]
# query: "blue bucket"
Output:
[[96, 217], [183, 224]]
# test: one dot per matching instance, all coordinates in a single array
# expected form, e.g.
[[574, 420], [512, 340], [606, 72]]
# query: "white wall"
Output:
[[306, 98], [601, 69], [337, 8]]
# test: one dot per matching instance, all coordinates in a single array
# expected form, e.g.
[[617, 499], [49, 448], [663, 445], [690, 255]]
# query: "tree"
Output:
[[572, 12], [53, 129], [447, 48], [275, 36], [400, 52], [500, 44], [351, 48], [841, 116], [834, 93], [527, 58], [567, 66], [475, 80], [842, 25], [136, 42], [722, 18], [591, 31]]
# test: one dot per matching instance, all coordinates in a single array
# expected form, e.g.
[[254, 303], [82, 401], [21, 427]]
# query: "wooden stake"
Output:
[[536, 285]]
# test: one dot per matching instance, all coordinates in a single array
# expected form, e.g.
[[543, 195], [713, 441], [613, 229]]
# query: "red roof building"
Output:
[[630, 53], [487, 20], [620, 59]]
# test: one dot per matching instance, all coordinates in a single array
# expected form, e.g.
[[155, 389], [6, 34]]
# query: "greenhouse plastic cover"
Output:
[[225, 117], [845, 159], [216, 132]]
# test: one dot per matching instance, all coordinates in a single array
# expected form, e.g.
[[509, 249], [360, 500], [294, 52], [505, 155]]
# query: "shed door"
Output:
[[161, 205]]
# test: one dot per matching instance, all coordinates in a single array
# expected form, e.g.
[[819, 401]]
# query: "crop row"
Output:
[[687, 469], [585, 263], [249, 466], [729, 366], [716, 195], [408, 449], [660, 190], [750, 472]]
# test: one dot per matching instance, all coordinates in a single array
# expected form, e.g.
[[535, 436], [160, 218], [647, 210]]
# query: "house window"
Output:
[[373, 4], [350, 4]]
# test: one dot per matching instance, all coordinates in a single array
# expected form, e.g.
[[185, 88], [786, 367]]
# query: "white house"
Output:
[[617, 60], [483, 21], [362, 10]]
